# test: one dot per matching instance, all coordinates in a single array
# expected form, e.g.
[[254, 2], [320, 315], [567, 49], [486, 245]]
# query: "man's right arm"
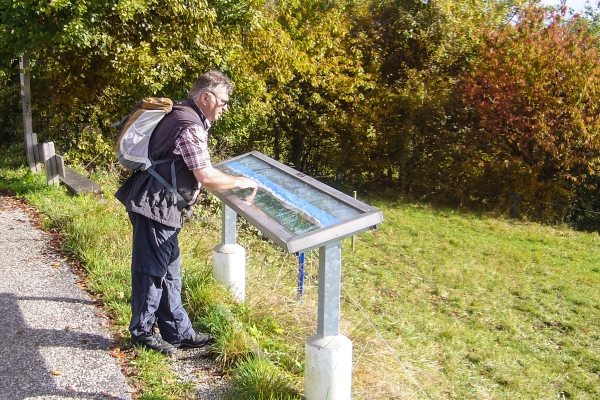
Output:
[[213, 178]]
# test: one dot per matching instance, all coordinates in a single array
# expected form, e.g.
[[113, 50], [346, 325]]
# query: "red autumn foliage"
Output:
[[534, 97]]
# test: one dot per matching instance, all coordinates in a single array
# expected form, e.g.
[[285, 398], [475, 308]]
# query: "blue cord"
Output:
[[301, 264]]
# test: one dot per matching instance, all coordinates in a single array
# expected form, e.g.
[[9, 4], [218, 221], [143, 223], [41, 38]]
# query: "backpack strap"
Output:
[[182, 107], [172, 187]]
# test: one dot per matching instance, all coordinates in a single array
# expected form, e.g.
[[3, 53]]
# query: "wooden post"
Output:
[[30, 138], [36, 152], [60, 165], [50, 163]]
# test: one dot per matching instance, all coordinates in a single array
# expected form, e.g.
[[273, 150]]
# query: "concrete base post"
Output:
[[328, 369], [229, 268]]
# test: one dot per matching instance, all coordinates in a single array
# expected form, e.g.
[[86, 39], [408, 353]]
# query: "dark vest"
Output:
[[142, 193]]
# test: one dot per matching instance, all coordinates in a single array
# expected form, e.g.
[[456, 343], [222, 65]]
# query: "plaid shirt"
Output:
[[192, 146]]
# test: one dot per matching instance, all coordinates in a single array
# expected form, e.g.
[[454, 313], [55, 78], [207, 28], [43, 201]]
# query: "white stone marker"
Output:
[[328, 368], [229, 268], [229, 258]]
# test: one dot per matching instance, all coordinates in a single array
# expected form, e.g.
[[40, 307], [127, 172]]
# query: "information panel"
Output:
[[296, 211]]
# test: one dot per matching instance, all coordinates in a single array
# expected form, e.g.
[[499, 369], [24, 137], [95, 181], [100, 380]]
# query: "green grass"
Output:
[[258, 378], [437, 303], [154, 373], [480, 307]]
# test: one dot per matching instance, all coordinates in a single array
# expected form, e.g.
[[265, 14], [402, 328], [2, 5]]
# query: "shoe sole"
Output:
[[191, 346], [194, 346], [144, 345]]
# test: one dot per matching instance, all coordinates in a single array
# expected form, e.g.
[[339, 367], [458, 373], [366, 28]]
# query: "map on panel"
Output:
[[296, 211], [288, 200]]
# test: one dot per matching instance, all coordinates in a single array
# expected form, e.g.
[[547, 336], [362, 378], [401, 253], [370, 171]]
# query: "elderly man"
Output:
[[156, 214]]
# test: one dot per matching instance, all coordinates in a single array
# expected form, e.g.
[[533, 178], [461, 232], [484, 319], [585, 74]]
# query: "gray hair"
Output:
[[209, 82]]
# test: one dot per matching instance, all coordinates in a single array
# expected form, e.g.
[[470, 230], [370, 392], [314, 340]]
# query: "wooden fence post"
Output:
[[60, 165], [49, 157], [30, 137]]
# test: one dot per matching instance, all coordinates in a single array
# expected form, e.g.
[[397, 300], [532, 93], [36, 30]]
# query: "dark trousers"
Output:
[[156, 281]]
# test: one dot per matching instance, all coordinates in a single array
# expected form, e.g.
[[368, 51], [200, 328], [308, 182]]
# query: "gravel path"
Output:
[[54, 342]]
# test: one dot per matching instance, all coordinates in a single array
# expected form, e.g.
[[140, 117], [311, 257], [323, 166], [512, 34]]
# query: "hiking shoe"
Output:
[[154, 342], [196, 340]]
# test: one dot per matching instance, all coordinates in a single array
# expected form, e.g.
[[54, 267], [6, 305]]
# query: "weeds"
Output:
[[257, 378]]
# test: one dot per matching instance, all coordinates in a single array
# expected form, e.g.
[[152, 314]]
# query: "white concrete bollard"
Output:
[[229, 268], [328, 368]]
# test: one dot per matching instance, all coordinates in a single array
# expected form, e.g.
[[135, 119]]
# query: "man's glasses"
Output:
[[220, 102]]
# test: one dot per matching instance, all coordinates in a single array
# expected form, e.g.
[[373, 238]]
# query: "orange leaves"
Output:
[[533, 84], [533, 92], [116, 353]]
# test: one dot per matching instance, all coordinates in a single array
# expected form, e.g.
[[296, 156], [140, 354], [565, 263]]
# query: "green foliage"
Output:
[[535, 127], [233, 342], [10, 104], [91, 61], [387, 94], [313, 80], [200, 293], [155, 372], [16, 175], [258, 379], [415, 51], [586, 214]]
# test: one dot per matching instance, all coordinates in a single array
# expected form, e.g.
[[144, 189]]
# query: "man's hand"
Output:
[[248, 200], [246, 183]]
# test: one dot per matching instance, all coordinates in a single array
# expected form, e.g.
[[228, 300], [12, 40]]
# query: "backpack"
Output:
[[133, 140]]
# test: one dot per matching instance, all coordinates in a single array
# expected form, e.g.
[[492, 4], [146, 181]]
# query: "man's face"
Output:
[[214, 103]]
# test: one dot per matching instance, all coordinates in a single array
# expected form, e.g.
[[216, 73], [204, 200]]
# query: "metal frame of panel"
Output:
[[368, 217]]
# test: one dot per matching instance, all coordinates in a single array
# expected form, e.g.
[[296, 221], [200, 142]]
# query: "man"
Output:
[[156, 215]]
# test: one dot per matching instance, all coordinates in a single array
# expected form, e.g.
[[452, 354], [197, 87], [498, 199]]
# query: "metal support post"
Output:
[[354, 237], [330, 270], [229, 219], [328, 367]]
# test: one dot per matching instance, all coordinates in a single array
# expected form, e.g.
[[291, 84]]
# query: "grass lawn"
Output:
[[438, 304], [473, 307]]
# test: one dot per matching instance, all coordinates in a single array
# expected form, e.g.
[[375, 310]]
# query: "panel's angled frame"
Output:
[[368, 219]]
